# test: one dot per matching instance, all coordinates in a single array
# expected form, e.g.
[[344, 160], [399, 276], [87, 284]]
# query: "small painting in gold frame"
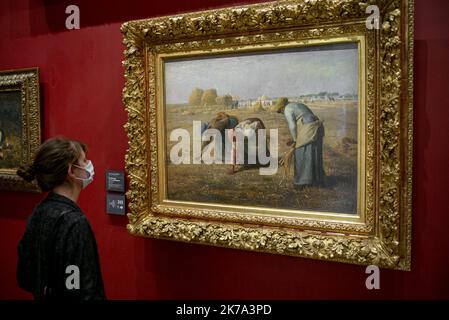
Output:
[[20, 125]]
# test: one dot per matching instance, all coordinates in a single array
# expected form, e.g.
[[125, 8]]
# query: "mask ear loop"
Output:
[[79, 167], [71, 173], [71, 168]]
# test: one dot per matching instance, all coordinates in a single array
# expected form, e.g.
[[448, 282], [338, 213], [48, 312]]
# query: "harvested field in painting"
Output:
[[212, 183]]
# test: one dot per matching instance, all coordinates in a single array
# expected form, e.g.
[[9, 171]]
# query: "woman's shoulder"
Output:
[[299, 107], [294, 105], [75, 223], [54, 206], [290, 107], [47, 217], [74, 216]]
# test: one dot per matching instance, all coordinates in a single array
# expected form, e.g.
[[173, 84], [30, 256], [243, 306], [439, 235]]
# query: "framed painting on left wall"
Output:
[[20, 125]]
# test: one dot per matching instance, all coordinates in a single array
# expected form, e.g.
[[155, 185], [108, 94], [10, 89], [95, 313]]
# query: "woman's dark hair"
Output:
[[52, 161]]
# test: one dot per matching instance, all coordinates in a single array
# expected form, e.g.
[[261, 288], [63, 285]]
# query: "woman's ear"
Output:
[[70, 171]]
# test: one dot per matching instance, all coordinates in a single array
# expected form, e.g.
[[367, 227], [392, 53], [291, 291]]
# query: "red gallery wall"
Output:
[[81, 81]]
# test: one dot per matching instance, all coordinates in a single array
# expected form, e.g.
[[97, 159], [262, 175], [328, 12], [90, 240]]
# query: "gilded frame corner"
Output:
[[383, 236], [27, 82]]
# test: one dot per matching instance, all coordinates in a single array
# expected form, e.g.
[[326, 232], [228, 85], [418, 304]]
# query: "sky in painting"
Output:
[[290, 73]]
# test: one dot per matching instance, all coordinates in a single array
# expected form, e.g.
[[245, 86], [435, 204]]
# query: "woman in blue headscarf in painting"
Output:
[[307, 132]]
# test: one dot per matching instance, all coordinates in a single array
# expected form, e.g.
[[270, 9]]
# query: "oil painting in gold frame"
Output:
[[168, 60], [20, 125]]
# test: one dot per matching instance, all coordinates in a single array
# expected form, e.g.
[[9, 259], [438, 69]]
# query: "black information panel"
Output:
[[115, 181], [115, 196], [115, 203]]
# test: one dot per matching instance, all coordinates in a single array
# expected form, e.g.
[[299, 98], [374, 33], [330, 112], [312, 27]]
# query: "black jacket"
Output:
[[57, 236]]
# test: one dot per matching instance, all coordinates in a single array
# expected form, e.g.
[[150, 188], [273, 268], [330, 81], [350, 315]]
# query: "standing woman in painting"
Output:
[[307, 132], [58, 256]]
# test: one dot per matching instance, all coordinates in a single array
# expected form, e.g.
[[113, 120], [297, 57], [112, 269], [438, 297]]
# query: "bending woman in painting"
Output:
[[307, 132]]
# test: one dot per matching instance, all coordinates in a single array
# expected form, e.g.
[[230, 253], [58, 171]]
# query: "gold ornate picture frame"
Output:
[[20, 125], [379, 230]]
